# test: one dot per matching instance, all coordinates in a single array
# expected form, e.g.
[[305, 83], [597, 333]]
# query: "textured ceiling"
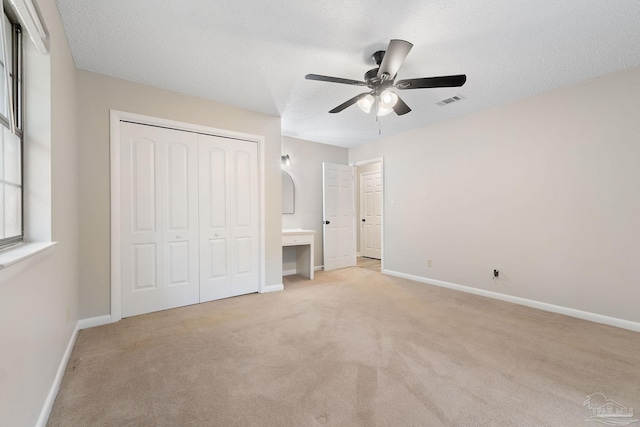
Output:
[[254, 54]]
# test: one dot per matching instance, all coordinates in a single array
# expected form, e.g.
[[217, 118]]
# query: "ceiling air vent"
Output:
[[449, 100]]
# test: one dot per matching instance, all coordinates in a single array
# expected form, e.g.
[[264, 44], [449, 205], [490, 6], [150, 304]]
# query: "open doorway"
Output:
[[369, 201]]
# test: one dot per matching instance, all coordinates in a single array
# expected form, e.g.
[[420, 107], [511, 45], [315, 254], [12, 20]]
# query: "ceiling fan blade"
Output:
[[393, 58], [401, 108], [329, 79], [348, 103], [428, 82]]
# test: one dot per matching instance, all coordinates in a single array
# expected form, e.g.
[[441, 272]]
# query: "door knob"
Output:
[[327, 222], [363, 220]]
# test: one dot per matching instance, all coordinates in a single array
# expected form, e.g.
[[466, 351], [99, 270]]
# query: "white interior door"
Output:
[[159, 211], [339, 216], [229, 238], [371, 212]]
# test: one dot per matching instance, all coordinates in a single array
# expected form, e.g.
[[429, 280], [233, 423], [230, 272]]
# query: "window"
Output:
[[11, 140]]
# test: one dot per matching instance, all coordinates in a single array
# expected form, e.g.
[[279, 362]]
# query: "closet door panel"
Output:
[[144, 267], [245, 217], [142, 182], [215, 282], [141, 211], [215, 178], [178, 264], [178, 187], [242, 189], [229, 201], [159, 222], [218, 258], [180, 218]]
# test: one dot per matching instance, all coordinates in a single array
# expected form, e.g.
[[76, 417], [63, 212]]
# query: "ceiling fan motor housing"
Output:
[[377, 57], [371, 76]]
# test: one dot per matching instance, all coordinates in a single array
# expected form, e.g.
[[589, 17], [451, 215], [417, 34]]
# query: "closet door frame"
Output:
[[116, 117]]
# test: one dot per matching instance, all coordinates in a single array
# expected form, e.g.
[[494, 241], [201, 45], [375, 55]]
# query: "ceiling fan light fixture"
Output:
[[365, 103], [388, 100], [383, 111], [382, 79]]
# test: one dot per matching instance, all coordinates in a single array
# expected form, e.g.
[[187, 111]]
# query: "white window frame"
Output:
[[12, 53]]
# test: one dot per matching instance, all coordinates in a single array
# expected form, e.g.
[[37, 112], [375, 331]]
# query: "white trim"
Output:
[[584, 315], [16, 254], [384, 195], [263, 249], [318, 267], [62, 367], [94, 321], [177, 125], [368, 162], [55, 386], [17, 259], [116, 244], [32, 23], [115, 117], [273, 288], [358, 254]]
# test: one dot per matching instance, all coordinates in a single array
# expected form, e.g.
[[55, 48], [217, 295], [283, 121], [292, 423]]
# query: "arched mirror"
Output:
[[288, 194]]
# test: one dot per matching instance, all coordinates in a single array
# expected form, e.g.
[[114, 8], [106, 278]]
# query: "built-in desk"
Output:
[[303, 239]]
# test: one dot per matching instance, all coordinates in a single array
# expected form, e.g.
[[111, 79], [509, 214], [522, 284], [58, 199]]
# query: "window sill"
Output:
[[26, 251]]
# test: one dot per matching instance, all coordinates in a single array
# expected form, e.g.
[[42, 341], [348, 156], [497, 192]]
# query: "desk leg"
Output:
[[312, 261], [304, 260]]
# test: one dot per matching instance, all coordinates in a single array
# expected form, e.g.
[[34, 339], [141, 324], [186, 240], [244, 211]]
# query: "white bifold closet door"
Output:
[[229, 241], [189, 218], [159, 218]]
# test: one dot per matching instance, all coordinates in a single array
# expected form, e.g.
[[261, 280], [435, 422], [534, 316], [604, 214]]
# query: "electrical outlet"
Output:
[[429, 263]]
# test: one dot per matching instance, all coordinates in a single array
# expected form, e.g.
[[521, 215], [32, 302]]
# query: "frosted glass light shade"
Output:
[[365, 103], [387, 100], [383, 111]]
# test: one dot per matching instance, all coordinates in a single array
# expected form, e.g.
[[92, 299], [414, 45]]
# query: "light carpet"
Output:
[[350, 348], [372, 264]]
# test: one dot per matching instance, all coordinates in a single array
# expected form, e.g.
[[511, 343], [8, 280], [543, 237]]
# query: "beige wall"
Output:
[[97, 94], [544, 189], [35, 328], [306, 170]]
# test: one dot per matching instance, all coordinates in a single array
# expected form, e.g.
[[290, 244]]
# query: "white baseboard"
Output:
[[53, 391], [272, 288], [94, 321], [585, 315], [292, 272]]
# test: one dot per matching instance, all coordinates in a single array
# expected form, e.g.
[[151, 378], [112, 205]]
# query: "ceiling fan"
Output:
[[381, 79]]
